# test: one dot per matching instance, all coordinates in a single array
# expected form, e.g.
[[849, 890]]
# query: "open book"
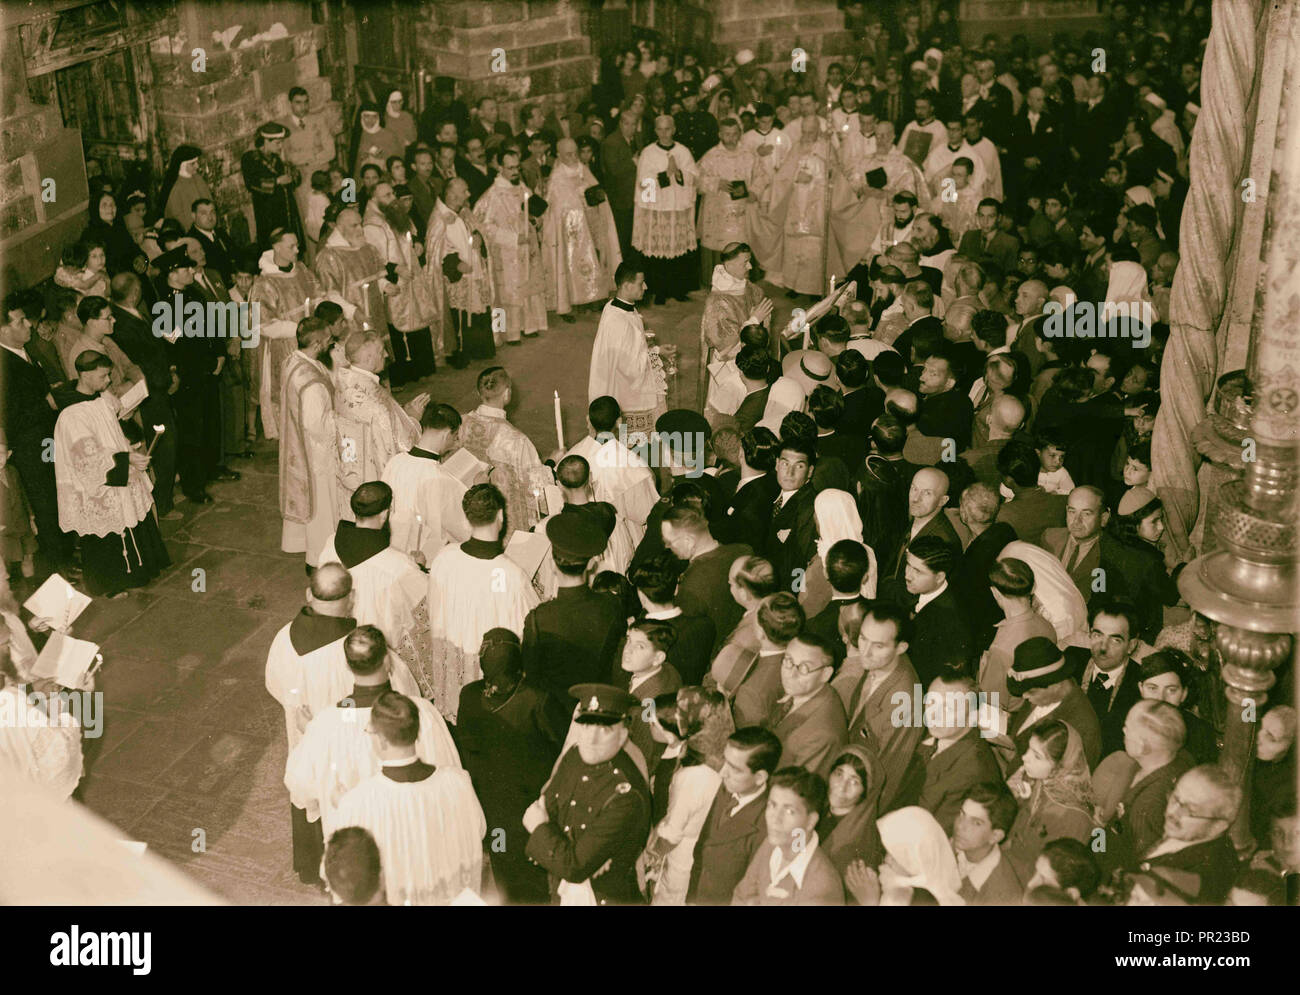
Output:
[[58, 601], [528, 549], [67, 661], [132, 399], [464, 466]]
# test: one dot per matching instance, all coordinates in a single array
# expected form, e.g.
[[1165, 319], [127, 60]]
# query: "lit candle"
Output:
[[306, 306], [419, 532], [537, 502], [559, 422]]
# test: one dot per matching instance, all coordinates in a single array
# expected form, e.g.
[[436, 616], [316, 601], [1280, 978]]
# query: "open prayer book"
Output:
[[803, 325], [67, 661], [464, 466], [528, 549], [132, 399], [58, 601]]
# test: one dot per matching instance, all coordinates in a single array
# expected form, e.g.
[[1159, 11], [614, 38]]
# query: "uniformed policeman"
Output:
[[593, 818]]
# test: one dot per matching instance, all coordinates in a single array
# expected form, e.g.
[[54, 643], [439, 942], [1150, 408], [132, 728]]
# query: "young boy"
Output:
[[986, 815], [646, 674], [1053, 477]]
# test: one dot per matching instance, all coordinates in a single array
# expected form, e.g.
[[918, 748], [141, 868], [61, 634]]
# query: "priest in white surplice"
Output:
[[619, 474], [473, 587], [309, 444], [663, 225], [426, 512], [426, 819], [335, 753], [307, 672], [34, 744], [388, 587], [727, 182], [624, 365]]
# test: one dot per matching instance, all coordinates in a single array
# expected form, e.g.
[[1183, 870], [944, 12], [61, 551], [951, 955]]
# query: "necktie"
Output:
[[1099, 695], [780, 503], [1071, 555]]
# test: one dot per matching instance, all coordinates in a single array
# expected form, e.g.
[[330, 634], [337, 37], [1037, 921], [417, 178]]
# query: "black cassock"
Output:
[[273, 203]]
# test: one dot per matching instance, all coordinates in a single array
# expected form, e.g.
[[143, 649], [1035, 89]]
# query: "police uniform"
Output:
[[596, 812]]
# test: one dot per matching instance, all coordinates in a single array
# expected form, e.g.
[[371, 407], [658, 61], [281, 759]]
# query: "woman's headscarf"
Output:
[[837, 518], [183, 153], [1127, 285], [921, 848], [1055, 596], [854, 836], [1070, 784], [1143, 195], [785, 396]]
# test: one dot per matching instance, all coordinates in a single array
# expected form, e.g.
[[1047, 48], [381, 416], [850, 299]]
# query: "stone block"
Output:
[[11, 182], [306, 67], [20, 134], [540, 55], [16, 215], [274, 80]]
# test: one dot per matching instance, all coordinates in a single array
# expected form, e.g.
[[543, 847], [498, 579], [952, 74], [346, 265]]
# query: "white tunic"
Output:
[[621, 477], [35, 748], [335, 755], [620, 361], [426, 513], [429, 834]]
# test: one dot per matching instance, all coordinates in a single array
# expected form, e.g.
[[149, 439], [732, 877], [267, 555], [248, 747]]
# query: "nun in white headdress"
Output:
[[1126, 291], [836, 514], [398, 122], [785, 396]]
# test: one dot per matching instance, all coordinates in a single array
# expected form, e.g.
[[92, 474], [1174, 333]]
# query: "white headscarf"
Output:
[[785, 396], [837, 519], [1127, 285], [1055, 596], [388, 104], [919, 845]]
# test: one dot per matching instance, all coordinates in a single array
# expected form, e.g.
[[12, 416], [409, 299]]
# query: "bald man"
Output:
[[1030, 300], [1079, 545], [926, 499], [579, 243], [1036, 141], [1006, 419]]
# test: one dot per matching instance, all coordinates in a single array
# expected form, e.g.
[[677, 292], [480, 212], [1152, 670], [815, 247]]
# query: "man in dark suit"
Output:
[[1033, 510], [809, 716], [1196, 846], [882, 648], [735, 825], [791, 537], [703, 589], [216, 244], [1079, 545], [997, 99], [890, 103], [29, 434], [970, 580], [954, 758], [619, 167], [864, 402], [826, 405], [1107, 673], [846, 566], [486, 126], [753, 363], [1036, 142], [655, 581], [1101, 122], [942, 643], [748, 510], [946, 411], [926, 498], [132, 332], [986, 244], [573, 638], [1040, 677]]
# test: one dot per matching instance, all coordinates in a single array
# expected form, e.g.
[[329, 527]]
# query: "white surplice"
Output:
[[426, 513]]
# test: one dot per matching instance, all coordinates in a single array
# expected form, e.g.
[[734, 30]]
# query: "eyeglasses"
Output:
[[787, 663], [1176, 804]]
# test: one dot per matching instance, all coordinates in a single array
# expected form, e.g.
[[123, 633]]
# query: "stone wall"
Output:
[[221, 108], [545, 50], [772, 29]]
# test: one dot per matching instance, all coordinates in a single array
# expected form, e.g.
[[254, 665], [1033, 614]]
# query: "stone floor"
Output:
[[191, 739]]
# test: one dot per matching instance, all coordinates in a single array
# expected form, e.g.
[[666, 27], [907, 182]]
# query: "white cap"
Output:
[[1155, 100]]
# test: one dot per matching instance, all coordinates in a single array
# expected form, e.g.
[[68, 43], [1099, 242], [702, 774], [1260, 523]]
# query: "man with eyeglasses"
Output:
[[792, 534], [1198, 815], [809, 718]]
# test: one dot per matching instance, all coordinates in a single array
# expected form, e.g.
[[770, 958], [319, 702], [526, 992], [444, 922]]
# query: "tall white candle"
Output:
[[559, 422]]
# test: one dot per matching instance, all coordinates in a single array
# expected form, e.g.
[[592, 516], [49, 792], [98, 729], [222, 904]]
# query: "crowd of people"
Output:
[[889, 618]]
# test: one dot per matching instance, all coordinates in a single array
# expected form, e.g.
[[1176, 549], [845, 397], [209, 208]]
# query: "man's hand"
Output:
[[761, 313], [387, 289], [464, 267], [176, 383], [41, 624], [863, 883], [138, 460], [221, 362], [284, 180], [536, 815], [416, 405]]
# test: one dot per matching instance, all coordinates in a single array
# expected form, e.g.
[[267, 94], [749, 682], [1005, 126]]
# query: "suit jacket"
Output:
[[751, 408], [843, 445], [1214, 862], [219, 250], [871, 724], [1002, 887], [571, 639], [936, 526], [947, 416], [1032, 512], [1074, 710], [748, 513], [1137, 572], [1004, 251], [970, 582], [941, 639], [1139, 821], [861, 408], [639, 730], [620, 171], [1055, 542], [29, 419], [760, 689], [812, 733], [794, 522], [135, 338], [1044, 143], [1122, 698], [703, 589], [724, 848], [691, 652], [945, 776], [822, 884]]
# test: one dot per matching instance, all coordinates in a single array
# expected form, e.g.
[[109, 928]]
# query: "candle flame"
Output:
[[160, 429]]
